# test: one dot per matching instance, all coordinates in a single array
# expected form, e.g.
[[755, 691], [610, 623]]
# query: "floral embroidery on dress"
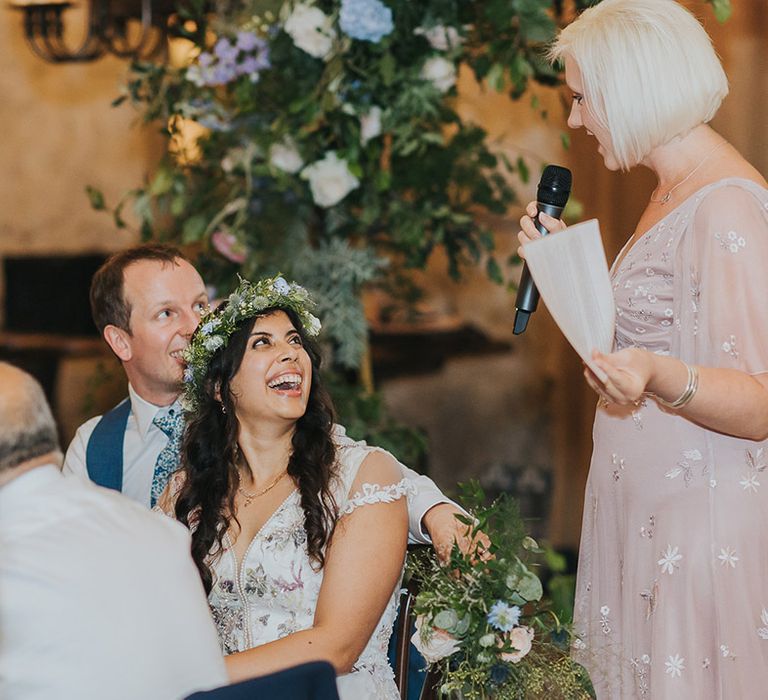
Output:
[[650, 596], [729, 347], [763, 631], [641, 668], [669, 559], [374, 493], [756, 463], [648, 531], [675, 665], [273, 591], [731, 241], [685, 466], [728, 557], [619, 466], [605, 624]]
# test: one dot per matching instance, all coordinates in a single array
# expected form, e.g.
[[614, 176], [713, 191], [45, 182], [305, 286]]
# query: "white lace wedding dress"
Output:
[[275, 591]]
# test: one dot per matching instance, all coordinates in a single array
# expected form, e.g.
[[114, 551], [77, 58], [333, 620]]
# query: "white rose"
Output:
[[285, 156], [330, 180], [520, 638], [439, 643], [440, 72], [311, 30], [440, 38], [370, 124]]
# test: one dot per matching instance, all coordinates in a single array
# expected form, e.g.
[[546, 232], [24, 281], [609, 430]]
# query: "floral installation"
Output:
[[330, 125], [321, 121], [482, 619], [217, 325]]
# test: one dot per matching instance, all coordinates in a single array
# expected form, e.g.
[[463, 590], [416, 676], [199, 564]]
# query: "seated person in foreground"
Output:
[[299, 532], [98, 597]]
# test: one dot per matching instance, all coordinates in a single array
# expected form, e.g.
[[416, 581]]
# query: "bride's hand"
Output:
[[529, 232], [627, 373]]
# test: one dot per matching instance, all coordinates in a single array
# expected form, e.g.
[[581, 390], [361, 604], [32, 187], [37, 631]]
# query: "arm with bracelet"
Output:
[[717, 375]]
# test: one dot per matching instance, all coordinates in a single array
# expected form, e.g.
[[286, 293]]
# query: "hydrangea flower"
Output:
[[247, 55], [366, 20], [503, 616]]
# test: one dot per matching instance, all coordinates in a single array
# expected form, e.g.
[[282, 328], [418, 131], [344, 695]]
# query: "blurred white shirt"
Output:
[[99, 597]]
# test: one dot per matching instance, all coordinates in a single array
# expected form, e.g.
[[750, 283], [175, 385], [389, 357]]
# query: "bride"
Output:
[[299, 533]]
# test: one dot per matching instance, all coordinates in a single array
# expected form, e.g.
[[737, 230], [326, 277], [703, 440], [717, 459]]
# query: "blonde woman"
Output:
[[671, 597]]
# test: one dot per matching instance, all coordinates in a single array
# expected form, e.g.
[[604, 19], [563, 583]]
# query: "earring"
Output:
[[223, 409]]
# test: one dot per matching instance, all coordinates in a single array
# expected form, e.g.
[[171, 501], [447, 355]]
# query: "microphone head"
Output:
[[554, 186]]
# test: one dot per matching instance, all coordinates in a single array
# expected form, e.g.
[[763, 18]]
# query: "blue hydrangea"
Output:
[[366, 20], [503, 616]]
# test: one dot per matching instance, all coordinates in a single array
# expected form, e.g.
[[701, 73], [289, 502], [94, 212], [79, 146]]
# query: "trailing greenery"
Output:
[[482, 619]]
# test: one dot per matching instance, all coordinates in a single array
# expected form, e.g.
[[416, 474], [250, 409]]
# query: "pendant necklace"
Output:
[[249, 497], [668, 195]]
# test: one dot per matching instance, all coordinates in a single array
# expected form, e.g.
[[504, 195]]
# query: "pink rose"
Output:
[[228, 245], [438, 644], [520, 638]]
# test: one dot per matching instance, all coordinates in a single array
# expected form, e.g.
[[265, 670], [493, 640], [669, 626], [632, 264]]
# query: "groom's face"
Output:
[[166, 300]]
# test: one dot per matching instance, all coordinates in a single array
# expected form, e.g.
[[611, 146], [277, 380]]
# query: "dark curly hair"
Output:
[[206, 501]]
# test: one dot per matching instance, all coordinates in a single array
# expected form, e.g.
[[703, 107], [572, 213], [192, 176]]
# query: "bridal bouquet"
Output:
[[482, 618]]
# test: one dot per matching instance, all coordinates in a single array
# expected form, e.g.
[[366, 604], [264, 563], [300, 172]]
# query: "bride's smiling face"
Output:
[[275, 375]]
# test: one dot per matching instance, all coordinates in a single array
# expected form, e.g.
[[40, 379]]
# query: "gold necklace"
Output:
[[249, 497], [666, 197]]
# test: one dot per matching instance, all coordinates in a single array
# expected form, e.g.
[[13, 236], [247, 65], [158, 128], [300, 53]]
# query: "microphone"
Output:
[[551, 196]]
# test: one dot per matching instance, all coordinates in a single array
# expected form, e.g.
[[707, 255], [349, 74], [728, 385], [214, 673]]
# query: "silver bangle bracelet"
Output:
[[689, 392]]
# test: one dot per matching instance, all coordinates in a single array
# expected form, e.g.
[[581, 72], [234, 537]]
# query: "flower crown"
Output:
[[217, 325]]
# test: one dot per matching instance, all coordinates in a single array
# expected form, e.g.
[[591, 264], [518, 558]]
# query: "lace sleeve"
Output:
[[375, 493]]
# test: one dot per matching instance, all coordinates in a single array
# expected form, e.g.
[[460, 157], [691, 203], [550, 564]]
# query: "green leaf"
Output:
[[522, 168], [193, 228], [388, 68], [493, 271], [161, 183], [96, 197], [496, 79], [722, 9]]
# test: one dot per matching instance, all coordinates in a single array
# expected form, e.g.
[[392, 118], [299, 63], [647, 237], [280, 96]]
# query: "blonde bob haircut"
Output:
[[649, 72]]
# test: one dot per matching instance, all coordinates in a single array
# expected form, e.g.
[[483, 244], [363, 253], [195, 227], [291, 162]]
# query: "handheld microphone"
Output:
[[551, 196]]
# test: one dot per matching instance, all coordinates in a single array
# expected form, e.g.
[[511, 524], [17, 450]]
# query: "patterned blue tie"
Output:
[[171, 422]]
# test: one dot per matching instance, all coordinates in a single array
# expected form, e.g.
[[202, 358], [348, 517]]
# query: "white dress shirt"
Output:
[[99, 598], [144, 441]]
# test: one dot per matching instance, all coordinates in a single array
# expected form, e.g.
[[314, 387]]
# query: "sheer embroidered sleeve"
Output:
[[723, 285]]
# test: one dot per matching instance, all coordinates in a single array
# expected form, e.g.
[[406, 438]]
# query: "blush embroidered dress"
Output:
[[672, 591], [275, 590]]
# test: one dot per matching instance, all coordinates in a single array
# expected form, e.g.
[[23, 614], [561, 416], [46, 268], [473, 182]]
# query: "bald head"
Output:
[[27, 428]]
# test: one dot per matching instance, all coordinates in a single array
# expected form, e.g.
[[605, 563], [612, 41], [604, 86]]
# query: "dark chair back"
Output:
[[310, 681]]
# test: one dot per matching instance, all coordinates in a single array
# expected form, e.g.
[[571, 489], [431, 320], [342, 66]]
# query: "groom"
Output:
[[146, 302]]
